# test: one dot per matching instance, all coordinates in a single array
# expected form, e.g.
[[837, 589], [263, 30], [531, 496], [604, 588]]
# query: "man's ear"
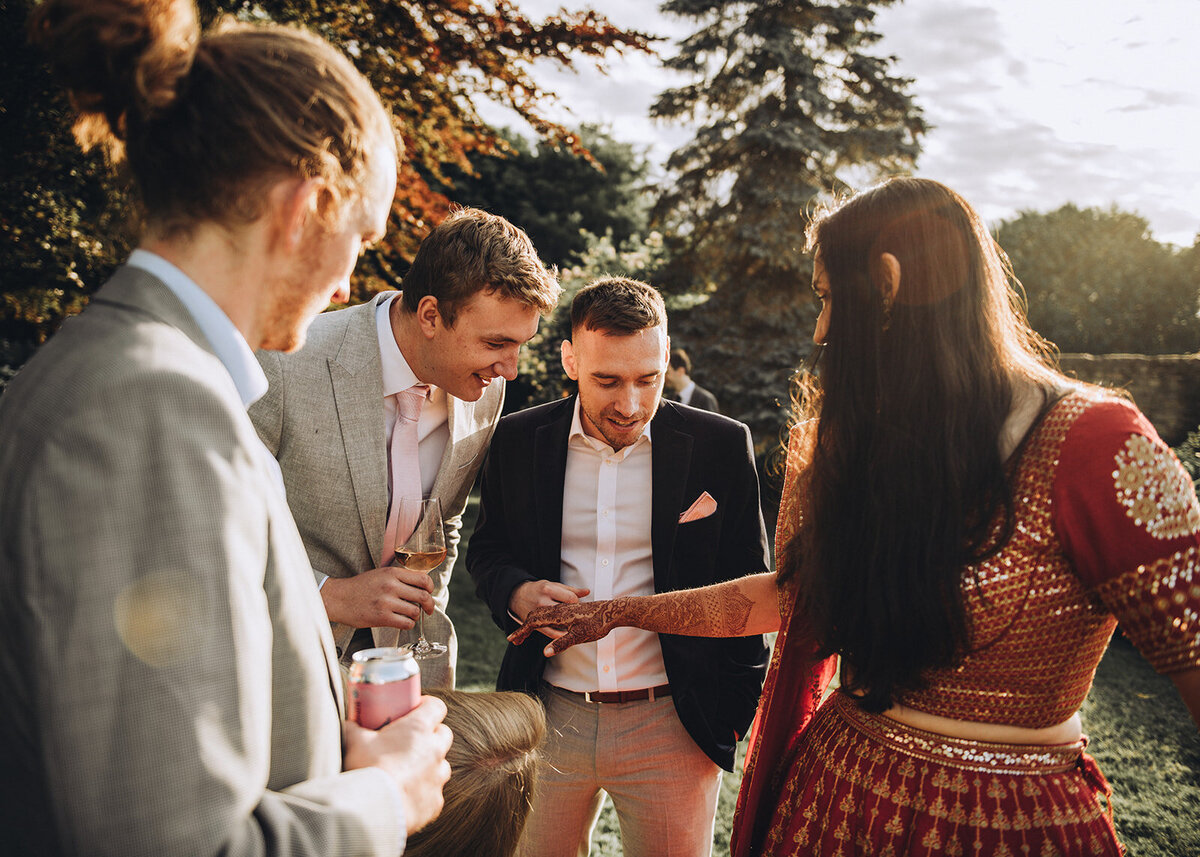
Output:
[[889, 268], [568, 360], [429, 316], [293, 203]]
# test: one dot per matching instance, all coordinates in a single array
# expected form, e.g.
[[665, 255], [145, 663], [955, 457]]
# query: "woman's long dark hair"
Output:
[[905, 478]]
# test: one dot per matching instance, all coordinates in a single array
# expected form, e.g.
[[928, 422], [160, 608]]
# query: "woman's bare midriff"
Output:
[[1067, 732]]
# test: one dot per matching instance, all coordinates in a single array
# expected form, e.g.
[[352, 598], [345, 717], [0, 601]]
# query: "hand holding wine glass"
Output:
[[424, 551]]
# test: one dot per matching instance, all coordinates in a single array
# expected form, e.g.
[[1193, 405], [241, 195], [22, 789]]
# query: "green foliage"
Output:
[[791, 99], [1097, 282], [66, 221], [558, 197], [1188, 454], [63, 220], [540, 375]]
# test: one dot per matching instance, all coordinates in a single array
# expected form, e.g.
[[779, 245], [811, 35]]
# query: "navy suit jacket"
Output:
[[715, 683], [703, 399]]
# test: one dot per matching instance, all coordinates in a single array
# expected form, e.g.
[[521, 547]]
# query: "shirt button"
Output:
[[606, 669], [604, 562]]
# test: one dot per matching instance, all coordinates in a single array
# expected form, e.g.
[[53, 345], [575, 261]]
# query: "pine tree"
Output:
[[792, 104]]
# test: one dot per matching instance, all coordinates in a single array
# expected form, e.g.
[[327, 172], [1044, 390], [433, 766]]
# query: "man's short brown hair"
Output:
[[617, 305], [472, 251]]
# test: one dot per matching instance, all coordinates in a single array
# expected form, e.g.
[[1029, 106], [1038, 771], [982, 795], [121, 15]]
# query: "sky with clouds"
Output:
[[1034, 103]]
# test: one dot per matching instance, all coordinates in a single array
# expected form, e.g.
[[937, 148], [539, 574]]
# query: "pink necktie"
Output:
[[405, 464]]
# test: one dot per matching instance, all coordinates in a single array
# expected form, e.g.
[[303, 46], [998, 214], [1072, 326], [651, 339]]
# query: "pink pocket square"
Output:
[[704, 506]]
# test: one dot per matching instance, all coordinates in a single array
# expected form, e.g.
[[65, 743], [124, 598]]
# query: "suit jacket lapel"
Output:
[[671, 457], [550, 470], [356, 372]]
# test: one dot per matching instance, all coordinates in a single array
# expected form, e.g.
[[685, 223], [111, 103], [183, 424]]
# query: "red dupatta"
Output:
[[795, 684]]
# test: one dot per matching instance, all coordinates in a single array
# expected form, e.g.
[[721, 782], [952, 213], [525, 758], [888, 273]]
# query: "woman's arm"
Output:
[[735, 608]]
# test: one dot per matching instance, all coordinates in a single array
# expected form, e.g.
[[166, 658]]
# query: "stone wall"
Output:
[[1166, 387]]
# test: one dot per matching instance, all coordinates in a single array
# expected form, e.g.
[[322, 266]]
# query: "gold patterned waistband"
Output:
[[958, 752]]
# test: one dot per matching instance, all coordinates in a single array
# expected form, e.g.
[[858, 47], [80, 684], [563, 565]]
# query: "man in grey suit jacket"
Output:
[[471, 299], [167, 679]]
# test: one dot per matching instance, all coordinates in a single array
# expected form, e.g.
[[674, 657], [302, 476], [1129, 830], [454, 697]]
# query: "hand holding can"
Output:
[[385, 684], [412, 751]]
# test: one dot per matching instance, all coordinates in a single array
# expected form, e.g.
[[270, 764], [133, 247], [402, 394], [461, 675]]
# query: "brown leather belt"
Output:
[[650, 693]]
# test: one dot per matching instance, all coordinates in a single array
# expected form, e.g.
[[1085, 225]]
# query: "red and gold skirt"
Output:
[[862, 784]]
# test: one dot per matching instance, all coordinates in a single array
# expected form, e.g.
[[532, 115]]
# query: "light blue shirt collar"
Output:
[[226, 340]]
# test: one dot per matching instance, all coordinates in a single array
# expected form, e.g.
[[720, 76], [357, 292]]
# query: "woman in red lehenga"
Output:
[[963, 527]]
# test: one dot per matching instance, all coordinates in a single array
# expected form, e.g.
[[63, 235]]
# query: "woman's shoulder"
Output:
[[1097, 414], [1082, 413]]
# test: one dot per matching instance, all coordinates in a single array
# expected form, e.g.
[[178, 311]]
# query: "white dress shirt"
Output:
[[606, 548], [685, 395], [433, 426]]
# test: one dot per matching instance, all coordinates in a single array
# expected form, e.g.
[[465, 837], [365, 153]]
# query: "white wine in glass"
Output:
[[424, 550]]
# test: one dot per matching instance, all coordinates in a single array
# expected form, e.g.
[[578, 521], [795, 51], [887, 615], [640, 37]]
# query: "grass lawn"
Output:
[[1141, 735]]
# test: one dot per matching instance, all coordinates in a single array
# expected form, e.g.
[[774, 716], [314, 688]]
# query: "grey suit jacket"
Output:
[[323, 420], [167, 680]]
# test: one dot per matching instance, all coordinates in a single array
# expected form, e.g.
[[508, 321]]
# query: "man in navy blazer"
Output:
[[609, 493]]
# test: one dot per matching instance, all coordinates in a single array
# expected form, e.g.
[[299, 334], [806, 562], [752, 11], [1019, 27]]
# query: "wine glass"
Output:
[[424, 550]]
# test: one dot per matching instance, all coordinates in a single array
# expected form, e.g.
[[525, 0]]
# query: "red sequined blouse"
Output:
[[1107, 530]]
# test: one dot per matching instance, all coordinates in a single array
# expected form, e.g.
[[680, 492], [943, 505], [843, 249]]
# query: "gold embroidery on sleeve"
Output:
[[1155, 491], [1158, 605]]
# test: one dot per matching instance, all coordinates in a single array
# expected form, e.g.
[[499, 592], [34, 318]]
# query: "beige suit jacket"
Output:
[[323, 419], [167, 680]]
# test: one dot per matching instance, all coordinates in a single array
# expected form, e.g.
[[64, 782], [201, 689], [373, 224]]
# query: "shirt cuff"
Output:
[[393, 789]]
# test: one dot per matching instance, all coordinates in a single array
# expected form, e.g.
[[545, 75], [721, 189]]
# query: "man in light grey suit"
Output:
[[167, 678], [470, 300]]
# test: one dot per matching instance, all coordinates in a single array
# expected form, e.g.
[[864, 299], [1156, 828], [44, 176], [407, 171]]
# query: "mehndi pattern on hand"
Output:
[[714, 611]]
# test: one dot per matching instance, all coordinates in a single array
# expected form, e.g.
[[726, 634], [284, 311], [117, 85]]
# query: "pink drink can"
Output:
[[385, 684]]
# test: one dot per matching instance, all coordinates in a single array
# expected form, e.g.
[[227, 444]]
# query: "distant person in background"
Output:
[[494, 764], [681, 386], [333, 417], [167, 678]]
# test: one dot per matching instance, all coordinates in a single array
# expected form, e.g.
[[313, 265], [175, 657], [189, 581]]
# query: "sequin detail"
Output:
[[861, 784], [1161, 595], [956, 752], [1037, 635], [1154, 490]]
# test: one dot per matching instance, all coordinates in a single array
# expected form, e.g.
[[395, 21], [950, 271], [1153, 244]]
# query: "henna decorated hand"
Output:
[[720, 610], [578, 623]]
